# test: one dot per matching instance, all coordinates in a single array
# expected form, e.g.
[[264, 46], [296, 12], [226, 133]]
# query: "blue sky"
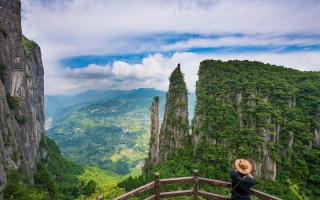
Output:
[[127, 44]]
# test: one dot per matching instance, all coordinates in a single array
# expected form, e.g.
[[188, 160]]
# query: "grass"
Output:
[[28, 46]]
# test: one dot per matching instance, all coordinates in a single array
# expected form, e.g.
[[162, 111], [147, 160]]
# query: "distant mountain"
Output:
[[108, 129], [56, 106]]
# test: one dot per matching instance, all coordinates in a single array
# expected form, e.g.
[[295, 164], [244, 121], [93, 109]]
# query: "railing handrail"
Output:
[[195, 192], [139, 190]]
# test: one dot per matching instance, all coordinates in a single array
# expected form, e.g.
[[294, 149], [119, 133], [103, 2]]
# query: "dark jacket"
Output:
[[242, 190]]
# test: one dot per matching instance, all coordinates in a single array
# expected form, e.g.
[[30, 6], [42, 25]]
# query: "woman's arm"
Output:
[[250, 175]]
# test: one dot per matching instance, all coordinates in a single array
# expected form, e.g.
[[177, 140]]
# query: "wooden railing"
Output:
[[195, 192]]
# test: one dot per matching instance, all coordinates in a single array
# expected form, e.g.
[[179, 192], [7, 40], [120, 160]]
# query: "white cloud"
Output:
[[152, 72], [98, 27], [236, 41], [150, 68], [66, 28], [92, 71], [155, 70]]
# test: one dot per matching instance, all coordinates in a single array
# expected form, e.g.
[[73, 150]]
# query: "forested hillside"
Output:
[[265, 113], [58, 178], [111, 132]]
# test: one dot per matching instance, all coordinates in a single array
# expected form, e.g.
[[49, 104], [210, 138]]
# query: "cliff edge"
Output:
[[21, 96]]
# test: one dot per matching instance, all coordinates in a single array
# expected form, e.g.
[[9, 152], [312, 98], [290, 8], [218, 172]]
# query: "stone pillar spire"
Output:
[[174, 132], [154, 130]]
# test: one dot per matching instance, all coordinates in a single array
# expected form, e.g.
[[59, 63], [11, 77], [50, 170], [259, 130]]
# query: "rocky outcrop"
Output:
[[239, 113], [21, 95], [154, 129], [267, 163], [174, 132], [317, 130], [153, 154]]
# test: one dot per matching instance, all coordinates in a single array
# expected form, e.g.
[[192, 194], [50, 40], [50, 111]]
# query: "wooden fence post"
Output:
[[157, 186], [195, 184]]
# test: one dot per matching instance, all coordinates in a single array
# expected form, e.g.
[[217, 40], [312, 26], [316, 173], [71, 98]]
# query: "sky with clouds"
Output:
[[128, 44]]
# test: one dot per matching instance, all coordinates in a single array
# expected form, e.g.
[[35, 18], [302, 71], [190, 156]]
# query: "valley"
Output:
[[105, 129]]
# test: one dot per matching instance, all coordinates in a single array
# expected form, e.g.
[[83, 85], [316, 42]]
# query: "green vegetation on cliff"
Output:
[[174, 131], [178, 102], [28, 46], [263, 112]]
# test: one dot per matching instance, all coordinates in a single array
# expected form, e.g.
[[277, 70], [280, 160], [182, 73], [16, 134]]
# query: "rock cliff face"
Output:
[[174, 132], [21, 96], [261, 112], [154, 129], [153, 154]]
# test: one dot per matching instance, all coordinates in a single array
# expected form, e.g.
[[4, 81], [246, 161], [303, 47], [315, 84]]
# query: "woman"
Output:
[[242, 180]]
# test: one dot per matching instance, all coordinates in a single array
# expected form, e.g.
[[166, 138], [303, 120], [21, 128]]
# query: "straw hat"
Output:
[[243, 166]]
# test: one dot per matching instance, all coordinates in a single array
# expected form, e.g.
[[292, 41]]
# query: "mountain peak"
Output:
[[174, 132]]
